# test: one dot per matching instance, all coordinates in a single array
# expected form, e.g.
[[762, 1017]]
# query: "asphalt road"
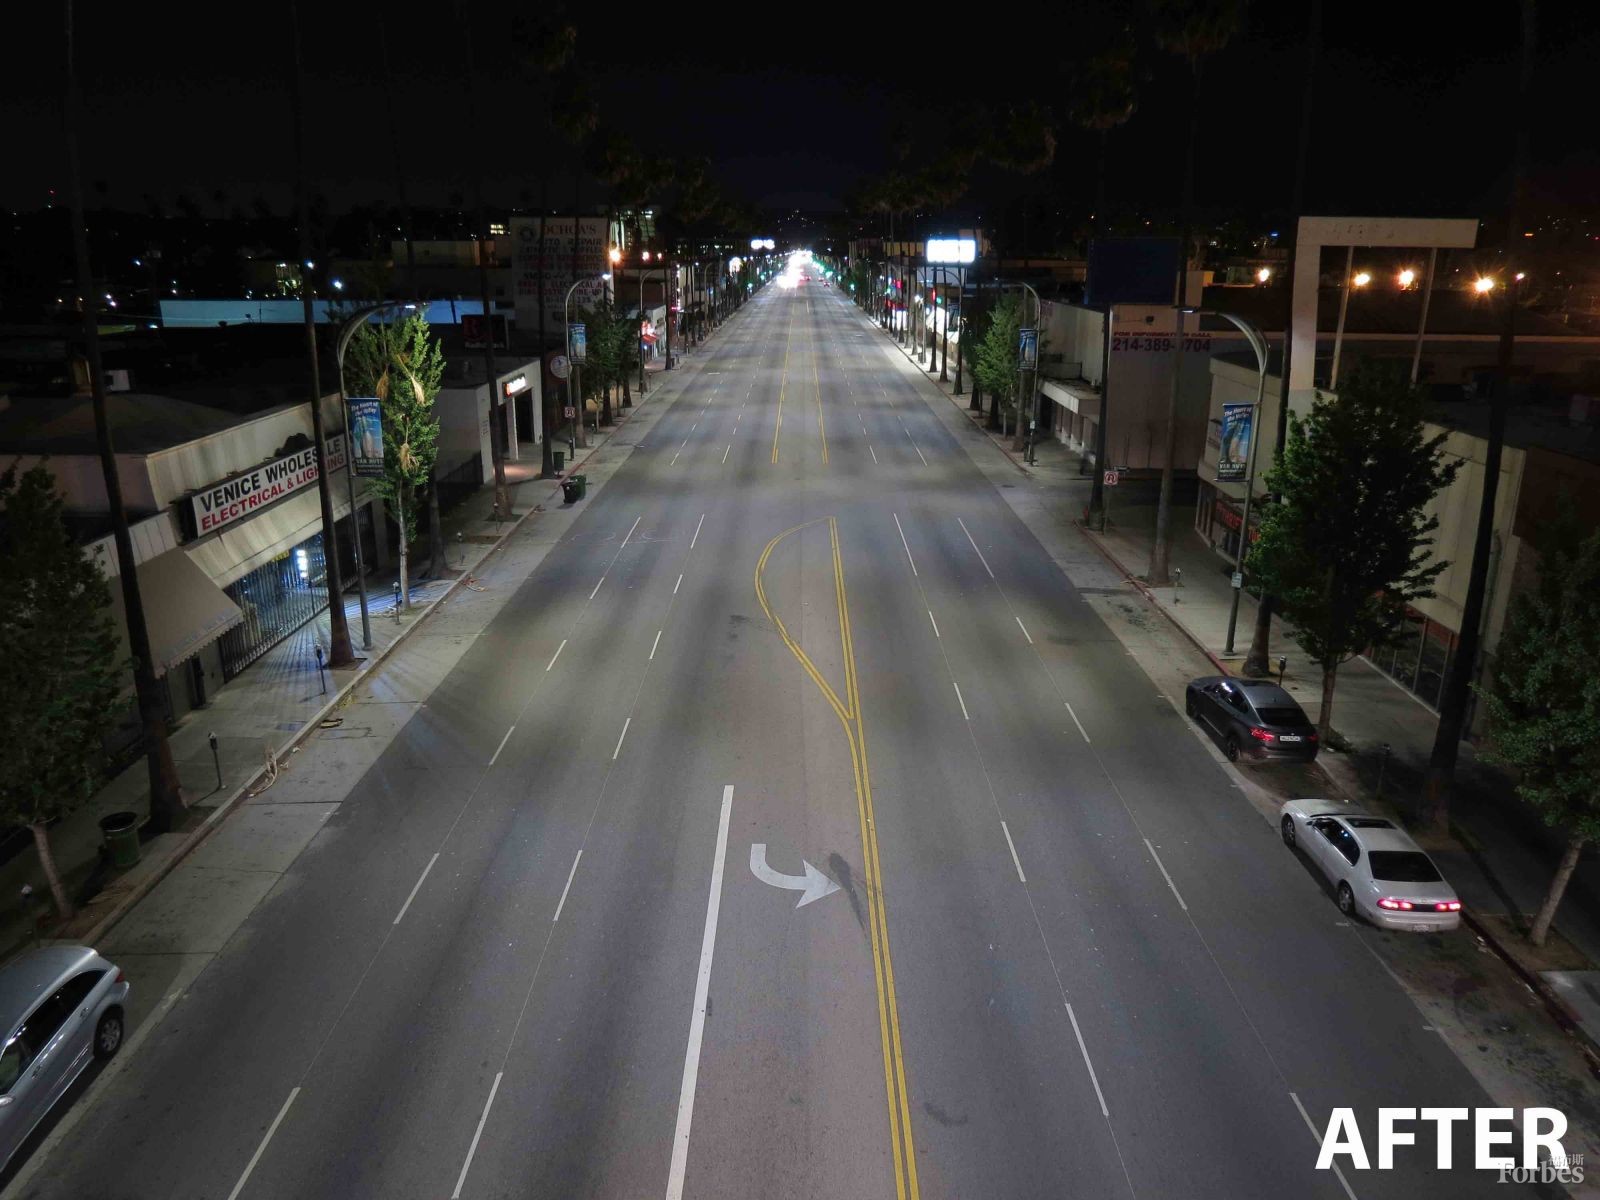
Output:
[[529, 956]]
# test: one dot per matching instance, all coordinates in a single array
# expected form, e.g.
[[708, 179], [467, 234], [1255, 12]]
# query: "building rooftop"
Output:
[[140, 424]]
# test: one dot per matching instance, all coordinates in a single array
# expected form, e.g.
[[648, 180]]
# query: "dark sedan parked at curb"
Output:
[[1251, 718], [61, 1007]]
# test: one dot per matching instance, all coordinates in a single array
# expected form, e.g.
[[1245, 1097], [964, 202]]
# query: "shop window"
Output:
[[1407, 647], [1438, 647], [276, 599]]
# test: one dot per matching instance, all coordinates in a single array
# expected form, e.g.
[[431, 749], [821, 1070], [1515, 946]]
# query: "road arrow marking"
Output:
[[813, 883]]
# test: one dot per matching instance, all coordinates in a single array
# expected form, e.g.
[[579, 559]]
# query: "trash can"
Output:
[[571, 490], [558, 458], [583, 485], [121, 832]]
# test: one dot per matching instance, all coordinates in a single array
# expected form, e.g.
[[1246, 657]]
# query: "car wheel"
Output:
[[1190, 710], [108, 1035], [1347, 900], [1230, 747], [1286, 826]]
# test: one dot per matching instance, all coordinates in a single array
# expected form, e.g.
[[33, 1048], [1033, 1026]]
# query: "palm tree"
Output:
[[1195, 30], [1107, 96], [167, 808]]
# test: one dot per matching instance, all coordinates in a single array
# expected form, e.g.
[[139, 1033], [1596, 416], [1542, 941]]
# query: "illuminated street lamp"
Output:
[[1362, 278], [1407, 278], [1264, 274], [1483, 285]]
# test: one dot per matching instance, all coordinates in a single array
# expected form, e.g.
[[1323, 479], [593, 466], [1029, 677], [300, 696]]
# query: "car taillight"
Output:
[[1400, 905], [1311, 737], [1448, 906], [122, 976], [1262, 735]]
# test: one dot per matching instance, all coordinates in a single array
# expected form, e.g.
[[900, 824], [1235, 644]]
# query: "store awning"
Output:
[[183, 610]]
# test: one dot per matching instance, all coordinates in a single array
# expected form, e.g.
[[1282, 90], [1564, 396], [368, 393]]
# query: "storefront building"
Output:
[[229, 548]]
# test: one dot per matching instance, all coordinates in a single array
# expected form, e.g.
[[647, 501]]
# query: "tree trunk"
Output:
[[627, 396], [1558, 888], [438, 562], [547, 414], [402, 509], [1325, 716], [47, 863]]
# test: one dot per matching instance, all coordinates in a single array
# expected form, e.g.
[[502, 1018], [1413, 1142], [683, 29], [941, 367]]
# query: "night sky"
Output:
[[794, 104]]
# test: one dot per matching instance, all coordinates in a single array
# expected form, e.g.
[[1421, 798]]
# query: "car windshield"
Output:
[[1282, 716], [1403, 866]]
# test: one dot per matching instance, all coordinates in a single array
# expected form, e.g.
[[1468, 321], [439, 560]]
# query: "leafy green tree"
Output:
[[1349, 547], [60, 649], [996, 354], [1542, 699], [401, 364]]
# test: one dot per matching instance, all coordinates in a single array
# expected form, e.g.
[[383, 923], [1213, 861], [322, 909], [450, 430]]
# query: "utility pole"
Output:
[[167, 808], [497, 438], [1256, 659], [1458, 680], [340, 652]]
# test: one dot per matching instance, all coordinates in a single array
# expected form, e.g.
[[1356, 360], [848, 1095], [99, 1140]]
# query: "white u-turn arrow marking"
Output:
[[814, 884]]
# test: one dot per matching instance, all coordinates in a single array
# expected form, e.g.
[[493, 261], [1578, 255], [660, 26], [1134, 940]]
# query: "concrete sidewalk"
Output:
[[1502, 857], [259, 716]]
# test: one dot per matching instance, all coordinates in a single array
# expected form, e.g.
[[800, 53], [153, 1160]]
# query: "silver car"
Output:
[[60, 1007], [1377, 871]]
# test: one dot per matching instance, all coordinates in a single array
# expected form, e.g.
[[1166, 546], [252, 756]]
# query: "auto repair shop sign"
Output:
[[221, 504]]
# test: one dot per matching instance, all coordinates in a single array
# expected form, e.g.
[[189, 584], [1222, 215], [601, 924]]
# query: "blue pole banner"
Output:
[[1233, 452], [366, 436]]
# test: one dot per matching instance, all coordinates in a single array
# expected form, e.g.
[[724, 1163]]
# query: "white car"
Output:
[[1376, 869]]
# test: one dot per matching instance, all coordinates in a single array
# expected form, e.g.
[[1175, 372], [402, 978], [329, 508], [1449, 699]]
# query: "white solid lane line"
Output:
[[559, 649], [905, 543], [1017, 862], [1025, 632], [654, 644], [677, 585], [697, 1018], [620, 736], [563, 901], [256, 1157], [597, 587], [1075, 720], [981, 558], [501, 746], [1317, 1137], [415, 888], [959, 700], [934, 623], [631, 528], [473, 1149], [696, 537], [1084, 1050], [1164, 874]]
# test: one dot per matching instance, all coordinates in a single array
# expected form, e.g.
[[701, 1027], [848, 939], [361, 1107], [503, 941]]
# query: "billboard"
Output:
[[1233, 452], [574, 248], [366, 435], [1131, 270]]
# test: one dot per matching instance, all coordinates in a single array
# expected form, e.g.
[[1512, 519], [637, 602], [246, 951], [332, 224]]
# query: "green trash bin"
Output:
[[121, 831], [558, 459], [583, 485]]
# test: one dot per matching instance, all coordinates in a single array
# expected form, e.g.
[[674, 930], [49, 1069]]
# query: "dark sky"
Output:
[[794, 103]]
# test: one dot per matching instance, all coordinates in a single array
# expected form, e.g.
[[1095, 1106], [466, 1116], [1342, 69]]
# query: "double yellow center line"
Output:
[[784, 387], [848, 710]]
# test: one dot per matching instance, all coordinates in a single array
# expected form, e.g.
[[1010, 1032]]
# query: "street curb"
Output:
[[1553, 1004], [1144, 590], [967, 412], [198, 836]]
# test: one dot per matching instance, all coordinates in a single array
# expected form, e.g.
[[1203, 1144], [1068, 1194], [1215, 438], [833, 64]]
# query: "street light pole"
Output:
[[1258, 343], [574, 371], [345, 334]]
